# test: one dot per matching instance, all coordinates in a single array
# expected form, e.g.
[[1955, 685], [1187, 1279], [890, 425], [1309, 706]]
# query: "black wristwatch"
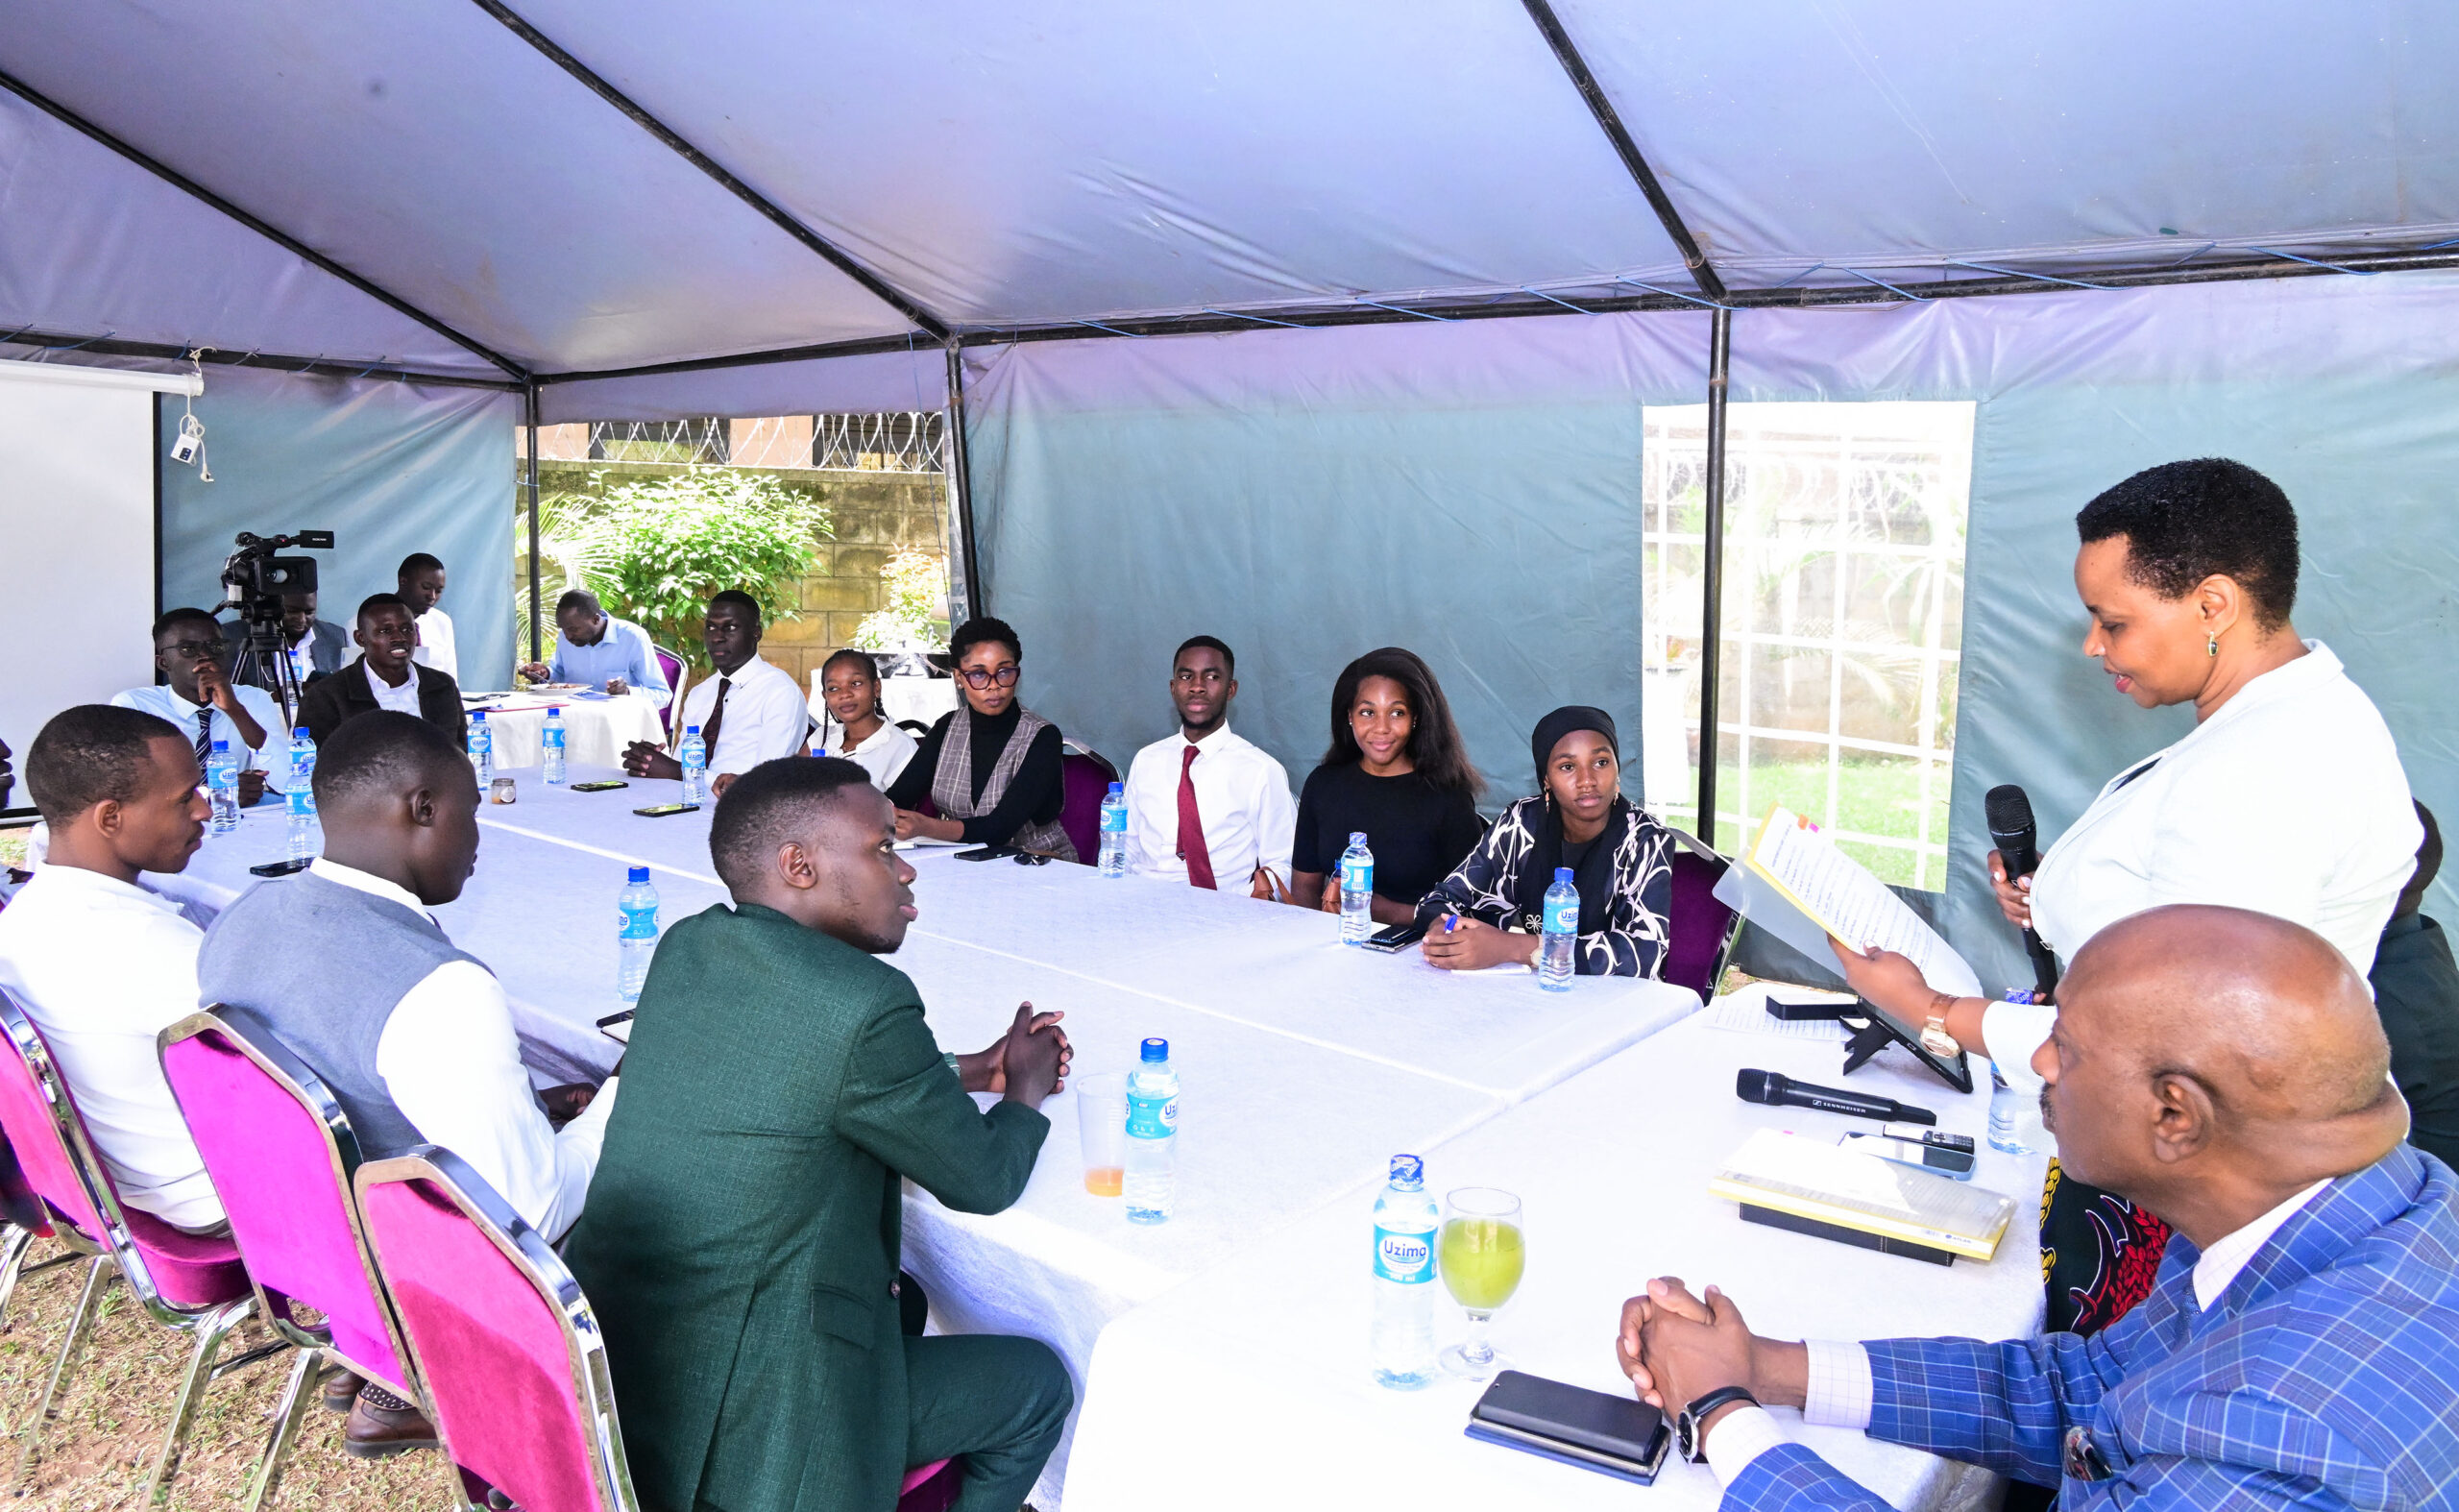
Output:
[[1690, 1433]]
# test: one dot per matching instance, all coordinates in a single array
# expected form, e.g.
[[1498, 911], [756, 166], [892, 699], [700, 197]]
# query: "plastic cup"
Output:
[[1101, 1122]]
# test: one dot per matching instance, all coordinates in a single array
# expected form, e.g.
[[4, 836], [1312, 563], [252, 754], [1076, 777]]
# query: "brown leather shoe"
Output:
[[341, 1389], [382, 1423]]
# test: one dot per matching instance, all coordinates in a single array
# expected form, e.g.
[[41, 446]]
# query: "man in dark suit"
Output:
[[317, 648], [384, 677], [742, 1231], [2416, 989]]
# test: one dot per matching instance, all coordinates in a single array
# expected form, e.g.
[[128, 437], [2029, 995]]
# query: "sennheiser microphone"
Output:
[[1783, 1091], [2011, 829]]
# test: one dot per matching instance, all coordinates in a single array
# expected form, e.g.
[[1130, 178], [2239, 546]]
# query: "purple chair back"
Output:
[[1702, 927], [280, 1153], [1086, 778], [673, 665], [174, 1274]]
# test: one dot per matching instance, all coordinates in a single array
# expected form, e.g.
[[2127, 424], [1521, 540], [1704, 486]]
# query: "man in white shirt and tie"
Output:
[[421, 580], [201, 699], [100, 962], [750, 712], [1204, 806]]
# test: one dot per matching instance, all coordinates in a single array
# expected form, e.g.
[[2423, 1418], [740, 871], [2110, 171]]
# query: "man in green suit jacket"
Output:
[[742, 1231]]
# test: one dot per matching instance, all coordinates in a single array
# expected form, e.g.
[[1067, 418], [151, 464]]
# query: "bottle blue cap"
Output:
[[639, 873], [1118, 787], [691, 729], [1562, 873], [1407, 1171], [1155, 1051], [554, 710], [480, 715], [222, 746]]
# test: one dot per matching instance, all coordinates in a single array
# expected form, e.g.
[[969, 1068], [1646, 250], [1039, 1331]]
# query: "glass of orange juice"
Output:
[[1101, 1121]]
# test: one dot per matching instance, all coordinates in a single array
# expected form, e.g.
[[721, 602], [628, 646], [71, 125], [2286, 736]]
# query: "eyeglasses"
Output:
[[192, 649], [976, 677]]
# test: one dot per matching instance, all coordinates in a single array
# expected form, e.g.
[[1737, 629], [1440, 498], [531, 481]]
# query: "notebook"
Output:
[[1809, 1179]]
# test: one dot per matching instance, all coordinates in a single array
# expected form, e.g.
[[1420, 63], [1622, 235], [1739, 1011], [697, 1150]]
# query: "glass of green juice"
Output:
[[1480, 1255]]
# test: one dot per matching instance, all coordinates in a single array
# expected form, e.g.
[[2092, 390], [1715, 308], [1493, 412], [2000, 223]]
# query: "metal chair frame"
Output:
[[112, 1252]]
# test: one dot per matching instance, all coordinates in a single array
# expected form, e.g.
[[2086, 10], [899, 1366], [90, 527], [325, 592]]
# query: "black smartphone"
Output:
[[986, 853], [1400, 936], [598, 787], [659, 811], [1794, 1010], [278, 869]]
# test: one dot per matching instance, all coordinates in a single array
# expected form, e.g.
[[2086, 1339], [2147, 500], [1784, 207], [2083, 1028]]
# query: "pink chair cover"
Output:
[[283, 1186]]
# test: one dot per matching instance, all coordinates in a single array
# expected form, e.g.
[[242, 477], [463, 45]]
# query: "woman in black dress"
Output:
[[1398, 772]]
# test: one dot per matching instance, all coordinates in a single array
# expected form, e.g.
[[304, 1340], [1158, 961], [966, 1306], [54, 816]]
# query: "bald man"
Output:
[[2227, 1070]]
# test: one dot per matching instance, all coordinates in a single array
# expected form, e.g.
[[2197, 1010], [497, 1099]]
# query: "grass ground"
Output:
[[1871, 799], [98, 1450]]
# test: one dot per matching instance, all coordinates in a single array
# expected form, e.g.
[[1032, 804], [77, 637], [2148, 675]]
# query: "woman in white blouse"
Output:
[[2286, 798], [857, 727]]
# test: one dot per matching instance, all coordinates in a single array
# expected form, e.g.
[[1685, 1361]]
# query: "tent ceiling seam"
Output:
[[282, 240], [1609, 121], [828, 251]]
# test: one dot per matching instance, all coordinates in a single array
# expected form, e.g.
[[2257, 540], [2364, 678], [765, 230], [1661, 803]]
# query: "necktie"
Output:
[[716, 718], [1191, 848], [204, 736]]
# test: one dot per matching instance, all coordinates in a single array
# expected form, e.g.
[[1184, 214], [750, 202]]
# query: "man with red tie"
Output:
[[1205, 806]]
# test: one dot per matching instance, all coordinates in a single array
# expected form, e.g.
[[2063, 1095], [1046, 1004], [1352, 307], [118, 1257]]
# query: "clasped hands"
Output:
[[1677, 1348], [1033, 1053]]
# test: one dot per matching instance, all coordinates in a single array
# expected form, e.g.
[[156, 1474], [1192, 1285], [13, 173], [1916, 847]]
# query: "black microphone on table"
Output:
[[1777, 1090], [2018, 841]]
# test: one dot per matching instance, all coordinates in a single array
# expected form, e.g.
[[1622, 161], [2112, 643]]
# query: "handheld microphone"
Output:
[[2011, 829], [1777, 1090]]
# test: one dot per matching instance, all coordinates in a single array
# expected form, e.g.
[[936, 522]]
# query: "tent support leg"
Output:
[[1711, 572], [961, 489], [537, 621]]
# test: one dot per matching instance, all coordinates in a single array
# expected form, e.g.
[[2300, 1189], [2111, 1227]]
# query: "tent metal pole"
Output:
[[1711, 575], [960, 465], [537, 619], [271, 361]]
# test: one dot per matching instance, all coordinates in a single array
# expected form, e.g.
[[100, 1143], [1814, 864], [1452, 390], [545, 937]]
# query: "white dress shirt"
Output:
[[435, 647], [2289, 802], [162, 703], [1241, 794], [404, 700], [1843, 1393], [451, 1062], [764, 716], [101, 966], [883, 753]]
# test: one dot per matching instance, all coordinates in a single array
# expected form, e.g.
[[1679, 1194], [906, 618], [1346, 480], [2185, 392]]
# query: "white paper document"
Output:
[[1838, 894]]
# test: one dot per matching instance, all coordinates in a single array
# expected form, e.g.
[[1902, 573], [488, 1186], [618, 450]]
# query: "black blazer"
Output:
[[330, 700]]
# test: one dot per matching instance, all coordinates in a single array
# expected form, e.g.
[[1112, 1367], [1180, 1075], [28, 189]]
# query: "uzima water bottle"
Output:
[[1114, 861], [551, 748], [1562, 934], [694, 756], [1151, 1136], [636, 933], [221, 786], [299, 796], [1405, 1220], [482, 748], [1357, 890]]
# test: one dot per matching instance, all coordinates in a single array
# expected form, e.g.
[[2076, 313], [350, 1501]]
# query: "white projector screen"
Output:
[[77, 533]]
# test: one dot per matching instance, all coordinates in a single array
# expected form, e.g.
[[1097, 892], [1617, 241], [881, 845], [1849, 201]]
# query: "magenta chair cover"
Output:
[[1695, 951], [1086, 778], [673, 665], [189, 1272], [276, 1168]]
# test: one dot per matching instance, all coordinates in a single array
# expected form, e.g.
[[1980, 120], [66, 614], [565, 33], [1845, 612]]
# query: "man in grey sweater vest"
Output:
[[344, 965]]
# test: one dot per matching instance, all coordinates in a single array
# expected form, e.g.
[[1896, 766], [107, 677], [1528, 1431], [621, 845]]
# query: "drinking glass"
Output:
[[1101, 1121], [1480, 1256]]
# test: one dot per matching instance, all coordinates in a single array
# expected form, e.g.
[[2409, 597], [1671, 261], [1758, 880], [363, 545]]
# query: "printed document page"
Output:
[[1841, 896]]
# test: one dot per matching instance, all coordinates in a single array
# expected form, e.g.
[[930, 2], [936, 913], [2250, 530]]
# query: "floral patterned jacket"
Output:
[[1628, 938]]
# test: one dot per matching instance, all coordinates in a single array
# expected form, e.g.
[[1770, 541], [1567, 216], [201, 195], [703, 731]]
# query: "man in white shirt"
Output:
[[201, 701], [414, 1038], [749, 712], [1204, 806], [421, 580], [100, 962], [2226, 1069]]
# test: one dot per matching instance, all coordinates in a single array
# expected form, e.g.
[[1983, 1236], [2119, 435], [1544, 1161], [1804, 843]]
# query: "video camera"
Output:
[[254, 581]]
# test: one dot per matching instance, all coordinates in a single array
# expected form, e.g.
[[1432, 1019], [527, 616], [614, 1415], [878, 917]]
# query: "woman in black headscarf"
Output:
[[1487, 911]]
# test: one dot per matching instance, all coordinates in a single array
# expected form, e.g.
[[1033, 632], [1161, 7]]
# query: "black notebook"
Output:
[[1618, 1435]]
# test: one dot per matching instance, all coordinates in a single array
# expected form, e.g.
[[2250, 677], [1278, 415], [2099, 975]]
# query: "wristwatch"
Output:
[[1935, 1038], [1689, 1425]]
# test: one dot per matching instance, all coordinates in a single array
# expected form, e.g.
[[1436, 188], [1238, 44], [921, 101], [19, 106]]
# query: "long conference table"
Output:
[[1237, 1330]]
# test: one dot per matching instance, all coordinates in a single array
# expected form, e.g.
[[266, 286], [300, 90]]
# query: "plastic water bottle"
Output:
[[482, 748], [1405, 1220], [306, 843], [1151, 1136], [696, 766], [221, 786], [638, 935], [1357, 890], [550, 742], [1562, 934], [1114, 831], [2014, 1117]]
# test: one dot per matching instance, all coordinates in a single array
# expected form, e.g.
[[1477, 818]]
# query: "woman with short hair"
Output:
[[858, 726], [1488, 912], [1398, 772], [990, 765]]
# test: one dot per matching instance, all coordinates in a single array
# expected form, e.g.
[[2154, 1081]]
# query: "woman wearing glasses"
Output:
[[990, 765]]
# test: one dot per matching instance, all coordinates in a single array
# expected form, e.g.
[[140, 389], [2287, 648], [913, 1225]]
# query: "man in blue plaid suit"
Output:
[[2227, 1071]]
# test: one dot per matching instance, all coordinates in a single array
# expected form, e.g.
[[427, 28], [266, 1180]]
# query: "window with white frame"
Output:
[[1842, 627]]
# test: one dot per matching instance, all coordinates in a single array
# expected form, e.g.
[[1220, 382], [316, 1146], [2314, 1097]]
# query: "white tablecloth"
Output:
[[595, 730], [1269, 1353]]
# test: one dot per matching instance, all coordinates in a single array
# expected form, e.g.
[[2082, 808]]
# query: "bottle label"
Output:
[[554, 738], [1357, 876], [1404, 1256], [1562, 917], [1152, 1117], [1114, 821]]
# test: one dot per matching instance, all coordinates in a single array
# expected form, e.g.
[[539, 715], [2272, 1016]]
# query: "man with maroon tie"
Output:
[[748, 711], [1205, 806]]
